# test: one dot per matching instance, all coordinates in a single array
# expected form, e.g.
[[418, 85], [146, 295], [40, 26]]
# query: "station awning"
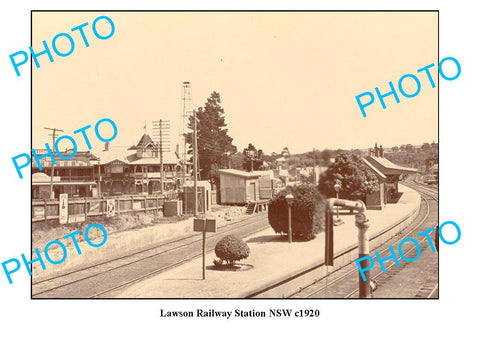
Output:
[[388, 168]]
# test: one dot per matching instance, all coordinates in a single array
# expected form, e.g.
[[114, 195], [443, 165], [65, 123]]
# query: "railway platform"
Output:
[[277, 265]]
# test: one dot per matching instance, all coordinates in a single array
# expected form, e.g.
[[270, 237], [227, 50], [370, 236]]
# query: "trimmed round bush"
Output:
[[308, 212], [231, 249]]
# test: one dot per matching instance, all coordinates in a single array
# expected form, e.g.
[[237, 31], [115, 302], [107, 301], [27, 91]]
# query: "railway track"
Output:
[[100, 279], [343, 283], [415, 181]]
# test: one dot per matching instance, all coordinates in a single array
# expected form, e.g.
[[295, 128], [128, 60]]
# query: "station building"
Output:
[[388, 175]]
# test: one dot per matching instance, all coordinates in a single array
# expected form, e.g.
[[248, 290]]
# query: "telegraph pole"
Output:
[[99, 180], [195, 169], [161, 158], [161, 132], [54, 136]]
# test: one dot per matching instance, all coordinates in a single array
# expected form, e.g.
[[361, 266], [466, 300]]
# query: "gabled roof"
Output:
[[144, 141], [114, 153], [374, 169], [126, 155], [388, 168]]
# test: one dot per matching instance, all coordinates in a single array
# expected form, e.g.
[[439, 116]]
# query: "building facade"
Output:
[[136, 169], [75, 176], [115, 170]]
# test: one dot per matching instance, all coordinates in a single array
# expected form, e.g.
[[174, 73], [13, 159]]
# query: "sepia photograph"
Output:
[[234, 154]]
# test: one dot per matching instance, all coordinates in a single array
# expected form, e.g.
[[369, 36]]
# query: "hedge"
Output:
[[307, 212]]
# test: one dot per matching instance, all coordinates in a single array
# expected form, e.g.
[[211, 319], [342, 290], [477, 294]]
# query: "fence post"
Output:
[[156, 199], [85, 208], [132, 202], [145, 198], [45, 209]]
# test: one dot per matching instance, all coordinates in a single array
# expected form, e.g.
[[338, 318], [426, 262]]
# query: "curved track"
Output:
[[102, 278], [344, 282]]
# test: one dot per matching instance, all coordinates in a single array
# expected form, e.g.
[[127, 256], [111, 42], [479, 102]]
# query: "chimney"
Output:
[[381, 151], [106, 146], [376, 150]]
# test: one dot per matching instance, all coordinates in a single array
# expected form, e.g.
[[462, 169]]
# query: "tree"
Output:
[[213, 142], [355, 178], [325, 156], [307, 179], [252, 158], [236, 161], [357, 152], [426, 147], [285, 152]]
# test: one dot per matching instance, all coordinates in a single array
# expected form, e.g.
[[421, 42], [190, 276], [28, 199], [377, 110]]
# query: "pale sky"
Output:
[[285, 79]]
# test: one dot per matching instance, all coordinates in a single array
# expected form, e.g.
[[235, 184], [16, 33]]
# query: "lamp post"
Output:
[[337, 188], [289, 199]]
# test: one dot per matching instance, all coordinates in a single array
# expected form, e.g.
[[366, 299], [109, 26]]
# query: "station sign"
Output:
[[110, 207], [63, 208], [207, 225]]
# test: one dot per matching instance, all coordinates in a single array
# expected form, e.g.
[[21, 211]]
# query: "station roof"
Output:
[[386, 167], [377, 172]]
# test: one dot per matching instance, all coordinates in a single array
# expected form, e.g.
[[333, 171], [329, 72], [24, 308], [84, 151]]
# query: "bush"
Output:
[[231, 249], [308, 211], [355, 178]]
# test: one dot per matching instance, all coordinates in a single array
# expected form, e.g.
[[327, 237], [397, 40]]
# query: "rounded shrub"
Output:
[[308, 210], [231, 249]]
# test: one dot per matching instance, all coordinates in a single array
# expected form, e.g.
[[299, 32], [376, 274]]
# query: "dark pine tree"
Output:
[[213, 142]]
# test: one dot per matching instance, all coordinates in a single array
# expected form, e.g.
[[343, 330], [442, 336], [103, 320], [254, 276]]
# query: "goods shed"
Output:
[[238, 187]]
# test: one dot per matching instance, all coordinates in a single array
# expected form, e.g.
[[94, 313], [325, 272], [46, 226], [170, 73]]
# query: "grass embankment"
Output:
[[44, 232]]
